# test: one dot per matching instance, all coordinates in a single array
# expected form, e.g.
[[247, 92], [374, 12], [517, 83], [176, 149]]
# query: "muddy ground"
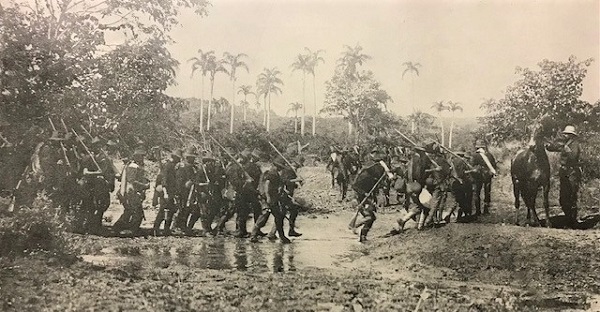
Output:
[[487, 265]]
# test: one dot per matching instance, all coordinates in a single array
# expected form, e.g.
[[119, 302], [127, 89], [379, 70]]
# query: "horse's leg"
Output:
[[545, 190], [531, 205], [517, 194]]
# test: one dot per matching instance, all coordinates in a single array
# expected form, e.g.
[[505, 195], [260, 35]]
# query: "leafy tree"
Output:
[[245, 90], [302, 63], [553, 90], [440, 107], [269, 82], [315, 58], [355, 98], [420, 120], [351, 58], [295, 107], [453, 107], [201, 63], [234, 62]]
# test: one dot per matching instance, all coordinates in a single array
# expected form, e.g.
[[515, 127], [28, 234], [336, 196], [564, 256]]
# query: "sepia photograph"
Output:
[[300, 155]]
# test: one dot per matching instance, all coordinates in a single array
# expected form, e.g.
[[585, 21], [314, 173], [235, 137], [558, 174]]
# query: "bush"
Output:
[[33, 229]]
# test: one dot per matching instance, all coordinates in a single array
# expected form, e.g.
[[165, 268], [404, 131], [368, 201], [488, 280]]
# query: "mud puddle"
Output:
[[325, 244]]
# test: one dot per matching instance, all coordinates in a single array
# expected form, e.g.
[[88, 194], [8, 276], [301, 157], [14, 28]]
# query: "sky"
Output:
[[468, 49]]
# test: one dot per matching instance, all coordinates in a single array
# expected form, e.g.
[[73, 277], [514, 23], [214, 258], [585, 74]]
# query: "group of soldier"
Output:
[[77, 174], [426, 175]]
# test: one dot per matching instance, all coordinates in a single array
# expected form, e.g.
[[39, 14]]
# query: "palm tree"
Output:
[[245, 90], [234, 62], [214, 66], [411, 68], [201, 63], [418, 119], [295, 107], [315, 58], [301, 63], [439, 107], [269, 83], [352, 57], [453, 107]]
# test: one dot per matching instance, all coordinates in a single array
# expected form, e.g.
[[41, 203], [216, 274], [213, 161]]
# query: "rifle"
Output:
[[232, 158], [11, 205], [189, 198], [87, 150], [285, 159], [352, 224], [415, 145], [454, 154], [62, 146]]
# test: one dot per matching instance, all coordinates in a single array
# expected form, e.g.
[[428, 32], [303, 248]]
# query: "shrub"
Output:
[[38, 228]]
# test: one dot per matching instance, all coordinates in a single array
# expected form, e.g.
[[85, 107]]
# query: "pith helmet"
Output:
[[569, 130]]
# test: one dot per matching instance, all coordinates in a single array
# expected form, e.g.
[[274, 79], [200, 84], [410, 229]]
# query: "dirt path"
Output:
[[482, 266]]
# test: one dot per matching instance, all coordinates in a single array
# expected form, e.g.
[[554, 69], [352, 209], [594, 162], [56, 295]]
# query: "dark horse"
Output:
[[530, 172]]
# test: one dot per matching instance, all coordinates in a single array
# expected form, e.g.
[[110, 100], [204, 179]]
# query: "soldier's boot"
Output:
[[292, 231], [272, 233], [280, 232], [194, 217], [363, 235], [486, 208]]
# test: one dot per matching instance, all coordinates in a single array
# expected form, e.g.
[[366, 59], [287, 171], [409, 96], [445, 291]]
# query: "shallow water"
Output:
[[326, 244]]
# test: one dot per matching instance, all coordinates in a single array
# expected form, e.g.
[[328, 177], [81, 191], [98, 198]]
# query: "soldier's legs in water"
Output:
[[102, 201], [172, 205], [278, 211], [262, 219], [160, 217], [228, 213], [124, 220], [293, 209], [437, 198], [487, 191]]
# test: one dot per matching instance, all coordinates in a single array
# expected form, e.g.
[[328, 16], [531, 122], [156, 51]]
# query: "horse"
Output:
[[530, 172]]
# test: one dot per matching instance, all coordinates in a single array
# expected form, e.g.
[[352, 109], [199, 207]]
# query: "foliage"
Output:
[[33, 229], [554, 91]]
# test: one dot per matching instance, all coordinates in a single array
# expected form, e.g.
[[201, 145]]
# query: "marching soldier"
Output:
[[251, 194], [437, 183], [99, 173], [570, 171], [213, 173], [131, 194], [461, 187], [290, 182], [271, 189], [485, 163], [187, 176], [168, 198]]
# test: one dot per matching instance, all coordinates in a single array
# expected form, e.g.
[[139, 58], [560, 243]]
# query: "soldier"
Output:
[[236, 181], [213, 172], [166, 187], [131, 194], [365, 186], [437, 183], [570, 171], [187, 176], [485, 163], [290, 182], [461, 186], [251, 194], [55, 168], [99, 173], [271, 189]]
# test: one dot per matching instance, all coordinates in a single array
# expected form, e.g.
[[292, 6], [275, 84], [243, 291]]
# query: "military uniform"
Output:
[[166, 189], [188, 176], [483, 177], [271, 188], [570, 171], [132, 193]]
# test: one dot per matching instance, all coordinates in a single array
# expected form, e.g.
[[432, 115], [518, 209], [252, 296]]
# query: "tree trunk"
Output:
[[302, 126], [349, 128], [245, 106], [265, 111], [314, 124], [202, 107], [212, 87], [412, 126], [296, 121], [442, 125], [232, 109]]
